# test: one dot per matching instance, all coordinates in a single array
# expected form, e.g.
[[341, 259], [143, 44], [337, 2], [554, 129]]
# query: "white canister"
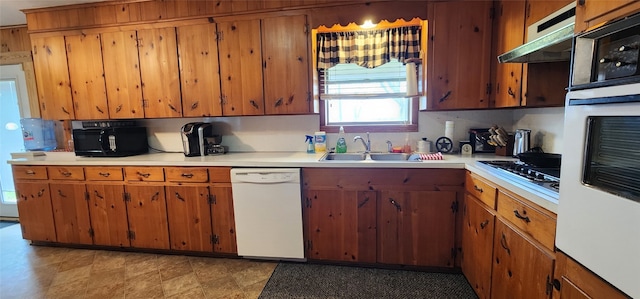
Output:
[[424, 146], [448, 129]]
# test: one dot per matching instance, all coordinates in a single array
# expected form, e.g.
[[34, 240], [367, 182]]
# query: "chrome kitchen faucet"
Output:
[[367, 144]]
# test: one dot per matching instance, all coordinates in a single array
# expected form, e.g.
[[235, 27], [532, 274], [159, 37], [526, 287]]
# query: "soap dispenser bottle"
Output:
[[341, 145], [310, 147]]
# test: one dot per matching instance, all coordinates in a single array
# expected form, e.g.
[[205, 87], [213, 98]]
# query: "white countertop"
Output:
[[289, 159]]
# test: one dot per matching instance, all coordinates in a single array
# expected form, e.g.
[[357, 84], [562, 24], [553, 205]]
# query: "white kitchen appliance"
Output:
[[267, 204], [599, 207]]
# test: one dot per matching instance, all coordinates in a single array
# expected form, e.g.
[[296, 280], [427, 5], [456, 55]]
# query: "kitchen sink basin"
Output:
[[389, 156], [343, 157]]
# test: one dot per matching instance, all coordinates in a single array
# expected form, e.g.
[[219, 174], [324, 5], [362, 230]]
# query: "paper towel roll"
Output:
[[412, 80], [448, 129]]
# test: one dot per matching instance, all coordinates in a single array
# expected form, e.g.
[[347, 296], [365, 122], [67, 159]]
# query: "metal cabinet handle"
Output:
[[95, 192], [144, 175], [65, 110], [172, 107], [525, 218], [194, 106], [503, 243], [444, 98], [119, 108], [187, 175], [396, 204], [41, 192], [254, 104], [99, 109], [279, 102], [155, 196], [30, 172], [483, 224], [478, 188], [61, 194], [66, 173], [104, 174], [511, 93]]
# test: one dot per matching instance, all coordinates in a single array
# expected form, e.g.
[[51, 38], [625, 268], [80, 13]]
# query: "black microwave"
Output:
[[110, 141]]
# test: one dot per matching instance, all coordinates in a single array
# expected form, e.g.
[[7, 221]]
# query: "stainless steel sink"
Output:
[[389, 156], [343, 157]]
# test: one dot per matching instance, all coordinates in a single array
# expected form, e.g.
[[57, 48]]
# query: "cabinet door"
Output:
[[341, 225], [508, 34], [108, 213], [416, 228], [122, 74], [592, 13], [286, 65], [189, 218], [223, 220], [539, 9], [199, 70], [159, 72], [477, 245], [52, 77], [459, 55], [87, 76], [36, 214], [241, 68], [71, 213], [147, 214], [521, 268]]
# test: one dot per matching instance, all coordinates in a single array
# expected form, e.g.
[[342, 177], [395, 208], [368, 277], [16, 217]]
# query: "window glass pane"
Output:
[[374, 111], [351, 79]]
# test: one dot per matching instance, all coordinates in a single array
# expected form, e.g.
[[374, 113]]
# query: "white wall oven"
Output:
[[599, 205]]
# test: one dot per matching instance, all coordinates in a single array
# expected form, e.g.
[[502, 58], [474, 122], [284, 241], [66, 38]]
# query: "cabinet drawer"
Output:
[[220, 174], [104, 173], [66, 173], [536, 222], [187, 174], [144, 174], [481, 189], [30, 172]]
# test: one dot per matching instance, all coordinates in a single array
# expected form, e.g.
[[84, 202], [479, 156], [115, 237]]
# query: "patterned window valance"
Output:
[[368, 48]]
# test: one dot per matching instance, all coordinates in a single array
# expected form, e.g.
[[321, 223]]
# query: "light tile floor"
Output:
[[28, 271]]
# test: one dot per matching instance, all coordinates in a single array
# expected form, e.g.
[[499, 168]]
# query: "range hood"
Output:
[[549, 39]]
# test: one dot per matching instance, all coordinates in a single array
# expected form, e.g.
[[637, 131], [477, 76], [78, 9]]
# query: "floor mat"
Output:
[[297, 280]]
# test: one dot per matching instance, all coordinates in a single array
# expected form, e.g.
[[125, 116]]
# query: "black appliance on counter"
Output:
[[110, 139], [198, 140]]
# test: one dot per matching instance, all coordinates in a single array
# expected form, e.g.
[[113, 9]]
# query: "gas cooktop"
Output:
[[545, 180]]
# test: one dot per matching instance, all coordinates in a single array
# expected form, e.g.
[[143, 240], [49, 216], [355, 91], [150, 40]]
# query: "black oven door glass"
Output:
[[87, 141], [612, 159]]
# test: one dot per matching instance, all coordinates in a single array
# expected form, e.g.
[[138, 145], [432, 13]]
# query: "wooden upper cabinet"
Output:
[[286, 65], [536, 10], [508, 34], [122, 74], [87, 76], [199, 70], [52, 77], [241, 68], [160, 73], [459, 55], [593, 13]]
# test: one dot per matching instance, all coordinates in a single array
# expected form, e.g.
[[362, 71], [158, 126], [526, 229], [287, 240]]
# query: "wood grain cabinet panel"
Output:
[[521, 268], [241, 68], [574, 281], [477, 245], [71, 213], [52, 76], [458, 65], [416, 228], [481, 189], [189, 218], [75, 173], [36, 213], [286, 65], [87, 76], [199, 70], [223, 221], [29, 172], [593, 13], [108, 212], [508, 34], [159, 72], [187, 174], [144, 174], [538, 224], [147, 214], [122, 74]]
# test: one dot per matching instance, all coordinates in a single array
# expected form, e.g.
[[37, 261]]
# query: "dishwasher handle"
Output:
[[265, 176]]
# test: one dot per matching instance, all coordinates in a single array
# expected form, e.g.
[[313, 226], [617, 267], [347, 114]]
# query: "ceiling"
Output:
[[10, 13]]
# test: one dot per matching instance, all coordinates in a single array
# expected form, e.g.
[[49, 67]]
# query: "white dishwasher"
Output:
[[267, 203]]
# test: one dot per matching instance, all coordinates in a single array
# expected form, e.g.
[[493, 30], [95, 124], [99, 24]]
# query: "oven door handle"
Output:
[[104, 141]]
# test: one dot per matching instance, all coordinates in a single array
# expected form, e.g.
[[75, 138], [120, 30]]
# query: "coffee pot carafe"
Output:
[[521, 141]]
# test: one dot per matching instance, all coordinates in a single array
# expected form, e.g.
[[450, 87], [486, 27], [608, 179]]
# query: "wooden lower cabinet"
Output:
[[521, 268], [381, 216], [36, 213], [574, 281], [108, 212], [222, 219], [147, 214], [341, 225], [189, 216], [477, 243], [416, 228], [71, 213]]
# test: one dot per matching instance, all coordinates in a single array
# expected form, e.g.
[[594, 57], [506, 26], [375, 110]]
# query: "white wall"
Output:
[[287, 133], [546, 126]]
